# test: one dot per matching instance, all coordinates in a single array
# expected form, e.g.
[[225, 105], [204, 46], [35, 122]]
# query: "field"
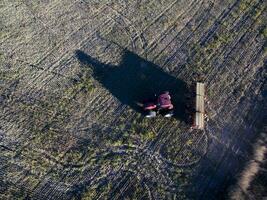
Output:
[[72, 72]]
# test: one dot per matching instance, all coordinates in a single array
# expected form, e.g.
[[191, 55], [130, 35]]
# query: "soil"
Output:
[[73, 74]]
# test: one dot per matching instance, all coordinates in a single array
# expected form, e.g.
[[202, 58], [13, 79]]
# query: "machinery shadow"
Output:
[[136, 79]]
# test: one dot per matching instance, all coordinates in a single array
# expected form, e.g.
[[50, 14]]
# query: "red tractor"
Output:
[[160, 105]]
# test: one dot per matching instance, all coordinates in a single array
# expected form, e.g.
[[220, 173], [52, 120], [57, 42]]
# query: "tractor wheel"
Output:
[[151, 114], [169, 114]]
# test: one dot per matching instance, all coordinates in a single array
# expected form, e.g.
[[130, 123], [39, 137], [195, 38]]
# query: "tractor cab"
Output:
[[164, 101]]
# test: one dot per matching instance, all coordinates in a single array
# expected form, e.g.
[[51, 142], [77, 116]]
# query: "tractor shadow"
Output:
[[136, 79]]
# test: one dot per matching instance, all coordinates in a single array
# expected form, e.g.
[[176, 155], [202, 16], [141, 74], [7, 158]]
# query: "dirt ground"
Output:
[[72, 74]]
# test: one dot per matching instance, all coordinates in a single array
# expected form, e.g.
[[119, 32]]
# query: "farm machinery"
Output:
[[161, 104], [199, 115]]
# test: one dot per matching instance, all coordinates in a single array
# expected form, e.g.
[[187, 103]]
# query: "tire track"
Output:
[[164, 33], [220, 18]]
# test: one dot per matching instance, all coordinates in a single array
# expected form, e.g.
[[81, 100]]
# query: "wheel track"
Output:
[[52, 72], [229, 146], [196, 142], [218, 54], [256, 54], [113, 19], [227, 54], [125, 181], [131, 25], [36, 65], [221, 17], [163, 34], [77, 46], [156, 146], [45, 28], [175, 38], [135, 31], [38, 18], [60, 43], [159, 16]]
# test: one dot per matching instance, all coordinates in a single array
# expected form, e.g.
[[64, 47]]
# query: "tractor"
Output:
[[160, 104]]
